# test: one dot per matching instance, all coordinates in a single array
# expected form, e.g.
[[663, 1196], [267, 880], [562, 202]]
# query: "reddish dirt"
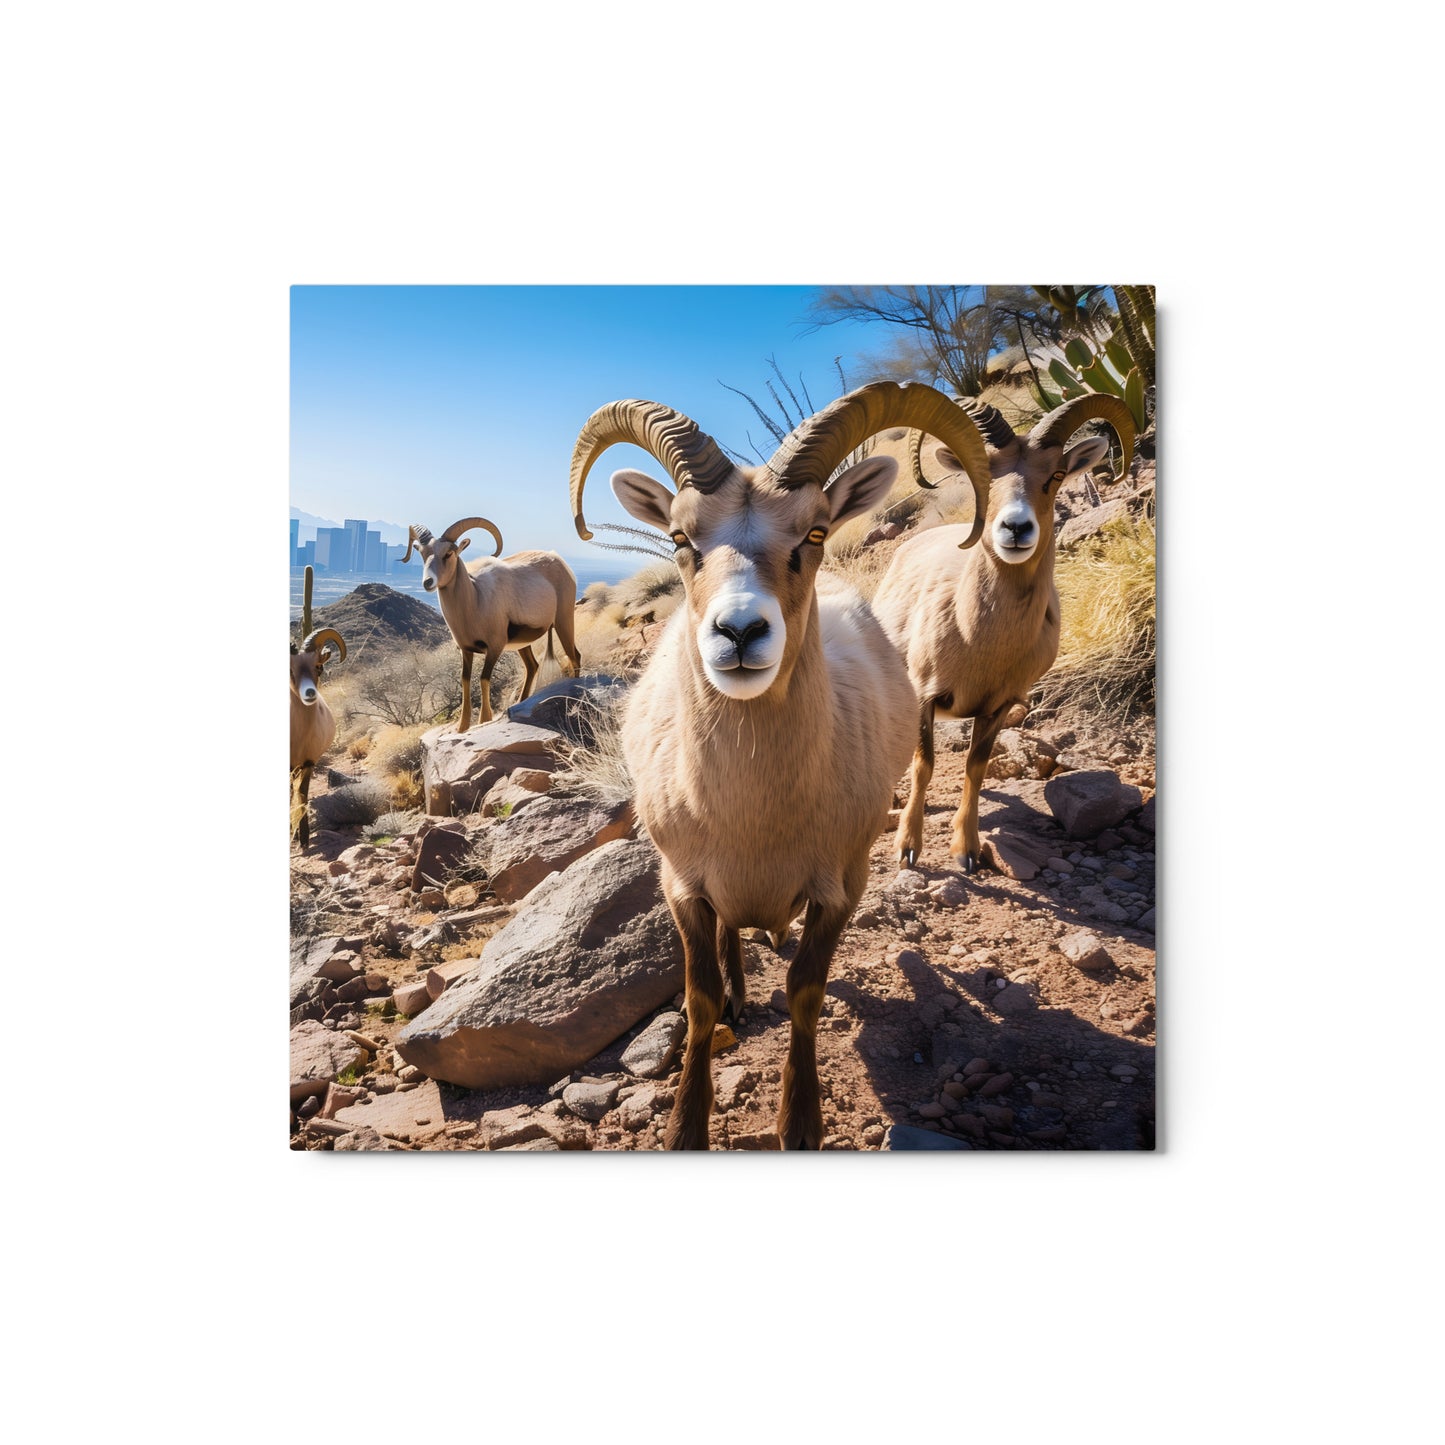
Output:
[[967, 1010]]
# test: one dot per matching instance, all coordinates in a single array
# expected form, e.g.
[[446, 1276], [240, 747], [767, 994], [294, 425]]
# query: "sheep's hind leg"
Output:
[[910, 823], [529, 661], [730, 949], [800, 1119], [965, 842], [697, 922], [466, 719]]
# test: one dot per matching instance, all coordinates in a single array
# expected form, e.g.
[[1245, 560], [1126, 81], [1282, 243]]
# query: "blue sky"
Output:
[[425, 404]]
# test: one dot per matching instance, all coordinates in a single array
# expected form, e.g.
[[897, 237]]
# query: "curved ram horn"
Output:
[[454, 532], [1061, 423], [415, 537], [811, 453], [692, 458], [321, 637]]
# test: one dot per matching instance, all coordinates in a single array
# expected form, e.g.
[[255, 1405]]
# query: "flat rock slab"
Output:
[[410, 1116], [459, 769], [318, 1055], [592, 951], [904, 1138], [1018, 854], [571, 705], [546, 837], [1086, 524], [650, 1054], [1086, 803]]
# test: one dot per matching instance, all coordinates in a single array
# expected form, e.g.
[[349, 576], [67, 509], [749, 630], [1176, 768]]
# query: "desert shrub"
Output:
[[414, 685], [363, 801], [660, 579], [394, 824], [1107, 651], [358, 747]]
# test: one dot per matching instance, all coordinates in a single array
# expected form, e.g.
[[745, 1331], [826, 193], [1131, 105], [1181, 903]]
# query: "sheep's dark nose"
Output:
[[1022, 531], [742, 636]]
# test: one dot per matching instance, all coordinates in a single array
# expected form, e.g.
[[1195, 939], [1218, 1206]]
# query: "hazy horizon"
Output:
[[426, 404]]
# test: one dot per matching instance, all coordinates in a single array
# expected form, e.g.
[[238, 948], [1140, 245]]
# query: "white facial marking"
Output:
[[742, 636], [1015, 532]]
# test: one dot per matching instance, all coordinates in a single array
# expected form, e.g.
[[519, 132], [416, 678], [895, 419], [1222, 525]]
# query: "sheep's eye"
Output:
[[679, 540], [817, 536]]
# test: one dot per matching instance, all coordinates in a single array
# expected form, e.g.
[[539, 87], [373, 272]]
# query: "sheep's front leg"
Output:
[[800, 1119], [466, 720], [910, 823], [492, 655], [697, 922], [529, 661], [300, 818], [965, 842], [730, 949]]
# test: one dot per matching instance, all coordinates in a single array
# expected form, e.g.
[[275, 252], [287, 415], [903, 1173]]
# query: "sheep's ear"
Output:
[[860, 488], [464, 544], [1083, 455], [647, 500]]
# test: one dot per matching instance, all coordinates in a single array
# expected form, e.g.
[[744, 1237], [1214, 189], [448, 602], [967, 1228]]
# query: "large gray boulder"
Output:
[[1086, 803], [553, 832], [458, 769], [592, 951]]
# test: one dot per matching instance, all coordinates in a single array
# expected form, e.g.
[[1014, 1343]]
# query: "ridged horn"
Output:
[[1061, 423], [810, 454], [415, 536], [692, 458], [997, 433], [318, 639], [454, 532]]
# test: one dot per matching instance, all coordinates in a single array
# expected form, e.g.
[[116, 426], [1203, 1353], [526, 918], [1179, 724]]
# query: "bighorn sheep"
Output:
[[770, 725], [493, 605], [313, 725], [979, 628]]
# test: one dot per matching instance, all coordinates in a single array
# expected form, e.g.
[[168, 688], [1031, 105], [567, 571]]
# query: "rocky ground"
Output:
[[1011, 1010]]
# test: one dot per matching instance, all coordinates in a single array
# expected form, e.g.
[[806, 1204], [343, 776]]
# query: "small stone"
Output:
[[997, 1115], [1060, 865], [590, 1101], [873, 1135], [722, 1038], [1014, 1000], [977, 1066], [931, 1111], [650, 1055], [1085, 951], [996, 1085], [1123, 1071], [954, 1090]]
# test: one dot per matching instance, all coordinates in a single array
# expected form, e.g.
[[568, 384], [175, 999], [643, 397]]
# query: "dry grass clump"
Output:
[[1107, 651], [407, 789], [597, 769], [396, 748]]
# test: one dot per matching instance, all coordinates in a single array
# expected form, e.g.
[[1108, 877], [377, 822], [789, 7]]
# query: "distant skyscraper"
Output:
[[375, 563], [333, 549], [356, 526], [306, 555], [295, 538]]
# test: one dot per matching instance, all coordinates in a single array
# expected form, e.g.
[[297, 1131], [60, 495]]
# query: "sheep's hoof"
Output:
[[908, 857], [733, 1012], [970, 863]]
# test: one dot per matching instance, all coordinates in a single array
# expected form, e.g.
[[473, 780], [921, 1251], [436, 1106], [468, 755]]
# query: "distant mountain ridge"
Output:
[[374, 615]]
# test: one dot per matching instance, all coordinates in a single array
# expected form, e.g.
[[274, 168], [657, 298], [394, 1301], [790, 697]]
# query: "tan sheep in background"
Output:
[[979, 627], [497, 603], [313, 725]]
